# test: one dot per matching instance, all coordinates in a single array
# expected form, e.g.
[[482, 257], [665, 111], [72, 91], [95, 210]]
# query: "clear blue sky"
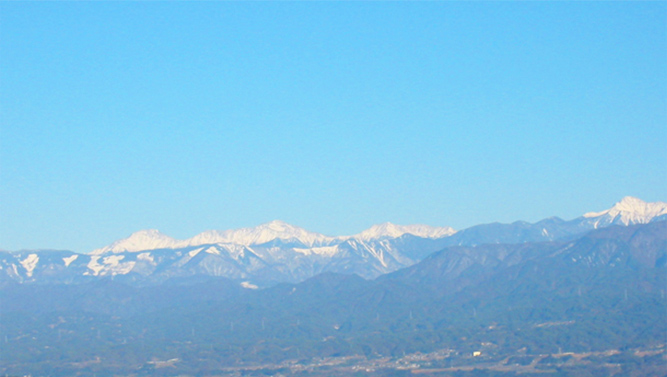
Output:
[[185, 117]]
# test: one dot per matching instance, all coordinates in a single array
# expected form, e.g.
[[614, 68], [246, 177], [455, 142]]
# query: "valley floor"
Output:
[[645, 362], [449, 362]]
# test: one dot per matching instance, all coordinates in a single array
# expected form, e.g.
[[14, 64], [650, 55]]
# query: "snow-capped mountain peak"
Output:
[[149, 239], [275, 230], [261, 234], [629, 211], [389, 230]]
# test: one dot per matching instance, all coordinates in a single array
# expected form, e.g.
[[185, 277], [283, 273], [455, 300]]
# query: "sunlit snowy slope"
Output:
[[279, 252]]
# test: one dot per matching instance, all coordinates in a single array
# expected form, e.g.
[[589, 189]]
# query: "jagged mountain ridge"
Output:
[[279, 252], [152, 239], [629, 211], [263, 265]]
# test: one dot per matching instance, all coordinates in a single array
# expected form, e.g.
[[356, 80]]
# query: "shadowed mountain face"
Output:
[[602, 291], [633, 247]]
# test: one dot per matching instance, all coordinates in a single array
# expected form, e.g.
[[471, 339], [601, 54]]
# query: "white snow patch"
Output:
[[236, 251], [113, 265], [146, 257], [303, 251], [248, 285], [93, 265], [327, 251], [194, 252], [70, 259], [113, 260], [389, 230], [212, 250], [30, 263]]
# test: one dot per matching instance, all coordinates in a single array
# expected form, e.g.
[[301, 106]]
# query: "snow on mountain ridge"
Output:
[[629, 211], [149, 239], [261, 234], [389, 230], [277, 251], [275, 230]]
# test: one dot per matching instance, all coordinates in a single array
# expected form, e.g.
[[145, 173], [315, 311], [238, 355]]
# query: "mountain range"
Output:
[[274, 231], [586, 305], [279, 252]]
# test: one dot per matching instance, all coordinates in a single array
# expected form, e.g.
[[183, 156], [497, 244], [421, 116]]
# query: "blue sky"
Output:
[[185, 117]]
